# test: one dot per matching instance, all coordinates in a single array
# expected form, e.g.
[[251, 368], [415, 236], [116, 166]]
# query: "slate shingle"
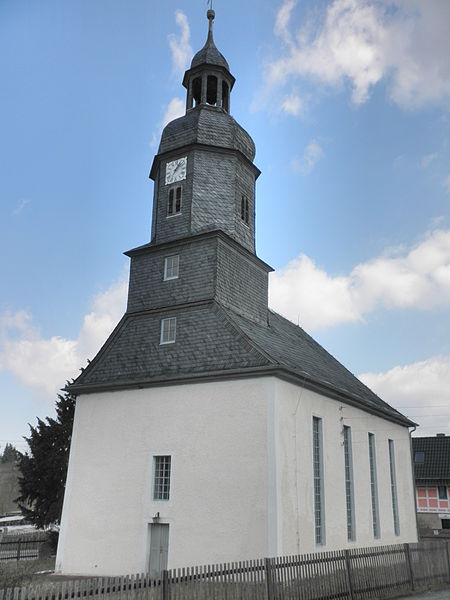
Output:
[[436, 465], [292, 349], [205, 343], [213, 341]]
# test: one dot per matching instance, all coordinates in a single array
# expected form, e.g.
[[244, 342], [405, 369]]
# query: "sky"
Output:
[[348, 102]]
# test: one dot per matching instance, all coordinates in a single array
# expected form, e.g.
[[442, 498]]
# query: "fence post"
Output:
[[268, 573], [18, 549], [165, 585], [448, 560], [349, 574], [409, 565]]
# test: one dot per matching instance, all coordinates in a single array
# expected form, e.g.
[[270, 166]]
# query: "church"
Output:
[[208, 428]]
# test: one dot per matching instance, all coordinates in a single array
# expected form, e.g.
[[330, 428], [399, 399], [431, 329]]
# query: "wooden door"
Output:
[[159, 548]]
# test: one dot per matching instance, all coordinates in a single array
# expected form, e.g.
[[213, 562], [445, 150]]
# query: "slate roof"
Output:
[[207, 342], [436, 464], [298, 353], [209, 55], [213, 342], [210, 126]]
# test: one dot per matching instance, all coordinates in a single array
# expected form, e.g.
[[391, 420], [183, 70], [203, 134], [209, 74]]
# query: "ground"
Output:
[[440, 595]]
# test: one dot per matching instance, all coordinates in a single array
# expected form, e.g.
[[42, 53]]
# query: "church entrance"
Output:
[[159, 548]]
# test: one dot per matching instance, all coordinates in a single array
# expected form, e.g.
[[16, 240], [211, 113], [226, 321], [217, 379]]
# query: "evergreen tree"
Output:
[[10, 454], [43, 468]]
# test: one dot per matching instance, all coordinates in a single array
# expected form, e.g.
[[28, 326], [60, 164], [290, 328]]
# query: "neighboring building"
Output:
[[208, 428], [9, 487], [432, 472]]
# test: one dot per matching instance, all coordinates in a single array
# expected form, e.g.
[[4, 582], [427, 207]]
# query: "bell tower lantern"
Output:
[[209, 80]]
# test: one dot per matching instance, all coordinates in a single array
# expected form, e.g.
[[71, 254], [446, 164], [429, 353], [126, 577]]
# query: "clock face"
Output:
[[176, 170]]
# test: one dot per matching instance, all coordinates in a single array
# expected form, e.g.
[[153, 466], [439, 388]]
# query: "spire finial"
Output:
[[210, 15]]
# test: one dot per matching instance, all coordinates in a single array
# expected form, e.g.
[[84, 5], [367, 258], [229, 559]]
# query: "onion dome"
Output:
[[209, 54], [208, 127]]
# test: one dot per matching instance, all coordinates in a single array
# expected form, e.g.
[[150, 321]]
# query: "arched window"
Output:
[[225, 96], [197, 90], [211, 90], [245, 213]]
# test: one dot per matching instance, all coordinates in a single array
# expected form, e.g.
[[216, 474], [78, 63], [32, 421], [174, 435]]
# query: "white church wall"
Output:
[[216, 434], [295, 408]]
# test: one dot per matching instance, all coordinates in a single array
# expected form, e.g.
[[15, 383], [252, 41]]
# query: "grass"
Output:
[[24, 572]]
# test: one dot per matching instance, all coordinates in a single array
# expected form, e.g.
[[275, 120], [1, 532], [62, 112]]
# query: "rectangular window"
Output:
[[394, 487], [161, 483], [174, 203], [319, 513], [171, 266], [442, 491], [349, 487], [168, 330], [419, 458], [245, 213], [374, 486]]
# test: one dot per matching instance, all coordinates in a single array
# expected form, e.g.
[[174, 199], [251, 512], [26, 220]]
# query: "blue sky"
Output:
[[348, 102]]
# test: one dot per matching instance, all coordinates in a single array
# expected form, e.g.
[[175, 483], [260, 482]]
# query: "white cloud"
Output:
[[447, 184], [293, 105], [304, 165], [419, 390], [364, 42], [44, 364], [419, 278], [282, 21], [175, 109], [179, 44], [428, 159], [21, 205], [181, 54]]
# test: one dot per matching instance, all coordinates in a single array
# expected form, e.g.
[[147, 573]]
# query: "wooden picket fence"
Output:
[[358, 574]]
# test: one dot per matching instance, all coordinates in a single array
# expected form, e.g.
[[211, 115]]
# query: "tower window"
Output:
[[245, 214], [171, 267], [211, 90], [174, 204], [168, 330], [197, 90], [161, 482], [225, 96]]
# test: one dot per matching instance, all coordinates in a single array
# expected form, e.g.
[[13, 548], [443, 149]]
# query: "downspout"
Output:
[[414, 480]]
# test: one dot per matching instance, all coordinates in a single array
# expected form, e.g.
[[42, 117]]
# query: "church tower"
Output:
[[201, 258], [198, 423]]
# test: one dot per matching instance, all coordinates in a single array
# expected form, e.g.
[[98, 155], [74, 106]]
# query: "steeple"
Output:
[[209, 81], [203, 172]]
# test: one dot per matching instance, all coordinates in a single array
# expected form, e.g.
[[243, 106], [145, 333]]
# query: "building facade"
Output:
[[432, 472], [208, 428]]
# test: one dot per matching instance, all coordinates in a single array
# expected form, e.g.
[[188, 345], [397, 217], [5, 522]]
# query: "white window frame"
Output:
[[161, 477], [349, 484], [169, 261], [374, 486], [318, 481], [168, 330], [394, 495]]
